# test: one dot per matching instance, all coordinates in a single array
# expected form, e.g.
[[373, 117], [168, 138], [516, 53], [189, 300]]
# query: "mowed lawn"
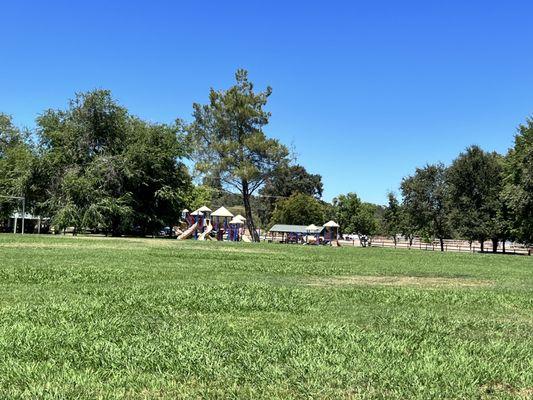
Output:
[[140, 318]]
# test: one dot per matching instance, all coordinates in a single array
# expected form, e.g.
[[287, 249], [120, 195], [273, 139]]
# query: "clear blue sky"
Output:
[[364, 90]]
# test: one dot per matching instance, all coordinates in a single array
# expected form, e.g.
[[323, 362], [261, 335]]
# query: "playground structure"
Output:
[[221, 224], [202, 223]]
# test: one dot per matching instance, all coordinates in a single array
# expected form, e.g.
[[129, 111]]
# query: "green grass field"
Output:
[[134, 318]]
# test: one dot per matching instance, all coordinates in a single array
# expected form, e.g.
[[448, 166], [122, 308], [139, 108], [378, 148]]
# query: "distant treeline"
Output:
[[94, 166]]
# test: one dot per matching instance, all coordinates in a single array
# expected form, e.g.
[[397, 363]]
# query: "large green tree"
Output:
[[518, 192], [298, 209], [355, 216], [103, 168], [475, 184], [425, 202], [393, 217], [286, 181], [228, 141], [17, 159]]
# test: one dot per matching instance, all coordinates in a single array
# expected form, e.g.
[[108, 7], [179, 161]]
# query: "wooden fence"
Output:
[[449, 245]]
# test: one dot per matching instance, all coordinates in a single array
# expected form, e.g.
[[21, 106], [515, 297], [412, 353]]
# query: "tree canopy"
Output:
[[105, 169], [425, 201], [17, 158], [285, 181], [298, 209], [518, 190], [393, 217], [355, 216], [228, 142], [474, 189]]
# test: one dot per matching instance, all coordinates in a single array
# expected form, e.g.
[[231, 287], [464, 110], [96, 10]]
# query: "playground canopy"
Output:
[[314, 230], [222, 212], [236, 221], [201, 211], [331, 224], [239, 216]]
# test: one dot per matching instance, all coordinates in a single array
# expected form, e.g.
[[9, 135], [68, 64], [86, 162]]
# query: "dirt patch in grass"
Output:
[[415, 281], [496, 390]]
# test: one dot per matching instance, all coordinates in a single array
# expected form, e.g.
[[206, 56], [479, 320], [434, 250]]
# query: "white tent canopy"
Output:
[[236, 221], [222, 212], [204, 209], [197, 212], [239, 216], [313, 229], [331, 224]]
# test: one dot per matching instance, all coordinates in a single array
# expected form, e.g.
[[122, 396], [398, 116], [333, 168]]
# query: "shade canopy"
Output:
[[239, 216], [197, 212], [222, 212], [313, 229], [204, 209], [236, 221], [331, 224], [185, 211], [283, 228]]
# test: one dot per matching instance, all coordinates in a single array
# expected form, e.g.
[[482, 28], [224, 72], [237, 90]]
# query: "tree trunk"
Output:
[[441, 244], [503, 245], [115, 227], [248, 211], [494, 245], [482, 245]]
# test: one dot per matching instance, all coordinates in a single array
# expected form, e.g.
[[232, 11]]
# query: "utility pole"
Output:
[[23, 213]]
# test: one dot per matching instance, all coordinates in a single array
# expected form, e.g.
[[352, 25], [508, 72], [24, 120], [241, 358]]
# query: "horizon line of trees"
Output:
[[482, 196], [94, 166]]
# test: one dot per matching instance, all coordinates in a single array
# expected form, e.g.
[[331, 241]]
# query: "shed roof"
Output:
[[282, 228]]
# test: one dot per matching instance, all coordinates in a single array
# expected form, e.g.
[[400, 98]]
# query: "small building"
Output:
[[32, 223]]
